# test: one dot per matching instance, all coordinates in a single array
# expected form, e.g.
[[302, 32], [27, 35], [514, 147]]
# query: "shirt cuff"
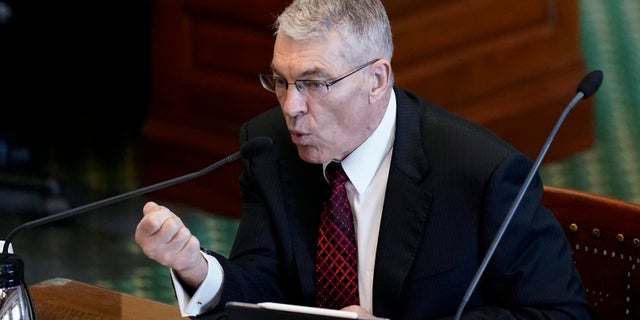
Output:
[[206, 296]]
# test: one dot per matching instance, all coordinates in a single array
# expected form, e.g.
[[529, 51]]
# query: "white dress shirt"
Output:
[[368, 170]]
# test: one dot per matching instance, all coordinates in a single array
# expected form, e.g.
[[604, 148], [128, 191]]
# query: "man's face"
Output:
[[332, 126]]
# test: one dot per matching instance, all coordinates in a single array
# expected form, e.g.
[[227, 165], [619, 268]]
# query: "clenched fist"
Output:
[[164, 238]]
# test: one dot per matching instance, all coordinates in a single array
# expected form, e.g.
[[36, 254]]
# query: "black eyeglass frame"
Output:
[[299, 84]]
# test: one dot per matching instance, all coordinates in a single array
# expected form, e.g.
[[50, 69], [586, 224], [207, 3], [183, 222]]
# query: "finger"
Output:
[[171, 231], [165, 243], [153, 220], [150, 207], [178, 252]]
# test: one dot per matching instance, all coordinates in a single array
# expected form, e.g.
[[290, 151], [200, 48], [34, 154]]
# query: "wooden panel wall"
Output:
[[509, 65]]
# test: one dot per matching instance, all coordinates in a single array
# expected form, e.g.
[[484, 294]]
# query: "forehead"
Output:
[[308, 57]]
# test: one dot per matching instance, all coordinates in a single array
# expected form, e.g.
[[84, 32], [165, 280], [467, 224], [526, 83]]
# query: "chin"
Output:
[[310, 154]]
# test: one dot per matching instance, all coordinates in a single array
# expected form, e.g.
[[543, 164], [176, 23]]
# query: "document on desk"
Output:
[[282, 311]]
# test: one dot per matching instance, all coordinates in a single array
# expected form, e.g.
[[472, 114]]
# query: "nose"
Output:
[[294, 102]]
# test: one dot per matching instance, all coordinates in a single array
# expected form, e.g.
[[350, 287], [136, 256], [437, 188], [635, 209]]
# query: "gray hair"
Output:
[[363, 24]]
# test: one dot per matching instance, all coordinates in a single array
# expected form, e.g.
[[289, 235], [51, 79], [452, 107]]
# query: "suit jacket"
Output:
[[451, 183]]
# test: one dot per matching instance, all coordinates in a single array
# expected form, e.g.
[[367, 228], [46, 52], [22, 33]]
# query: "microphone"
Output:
[[587, 87], [249, 150]]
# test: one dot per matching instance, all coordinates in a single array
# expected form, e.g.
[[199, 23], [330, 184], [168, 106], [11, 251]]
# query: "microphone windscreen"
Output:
[[590, 83], [255, 147]]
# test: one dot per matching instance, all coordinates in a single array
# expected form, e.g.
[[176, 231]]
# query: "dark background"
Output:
[[73, 74], [74, 95]]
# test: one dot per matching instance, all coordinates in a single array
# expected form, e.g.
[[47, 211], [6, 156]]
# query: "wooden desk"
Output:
[[67, 299]]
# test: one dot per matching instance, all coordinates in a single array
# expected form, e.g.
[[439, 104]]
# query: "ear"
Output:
[[380, 80]]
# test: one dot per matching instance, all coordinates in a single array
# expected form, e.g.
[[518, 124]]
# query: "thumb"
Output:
[[150, 207]]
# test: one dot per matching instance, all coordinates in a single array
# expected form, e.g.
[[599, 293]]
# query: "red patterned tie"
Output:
[[337, 256]]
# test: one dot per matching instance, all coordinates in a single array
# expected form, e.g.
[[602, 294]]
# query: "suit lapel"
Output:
[[405, 208]]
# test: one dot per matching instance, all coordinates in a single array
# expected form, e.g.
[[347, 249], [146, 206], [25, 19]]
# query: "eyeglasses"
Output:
[[312, 88]]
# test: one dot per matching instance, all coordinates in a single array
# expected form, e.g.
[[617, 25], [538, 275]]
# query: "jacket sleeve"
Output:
[[532, 267]]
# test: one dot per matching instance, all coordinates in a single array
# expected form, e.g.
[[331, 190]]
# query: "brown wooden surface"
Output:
[[67, 299], [605, 236], [509, 65]]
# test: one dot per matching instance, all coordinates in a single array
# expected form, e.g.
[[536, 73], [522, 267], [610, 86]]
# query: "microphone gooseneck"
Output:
[[249, 150], [587, 87]]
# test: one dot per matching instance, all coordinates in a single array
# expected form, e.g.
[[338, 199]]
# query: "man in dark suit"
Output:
[[428, 191]]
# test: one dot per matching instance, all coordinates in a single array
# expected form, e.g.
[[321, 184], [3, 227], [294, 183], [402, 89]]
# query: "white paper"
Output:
[[309, 310]]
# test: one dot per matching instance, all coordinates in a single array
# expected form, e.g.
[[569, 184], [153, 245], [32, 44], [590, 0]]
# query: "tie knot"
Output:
[[336, 174]]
